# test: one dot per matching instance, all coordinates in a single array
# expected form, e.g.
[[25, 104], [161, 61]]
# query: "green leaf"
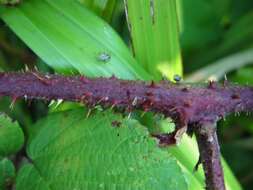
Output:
[[28, 171], [11, 136], [7, 173], [102, 8], [70, 38], [217, 70], [243, 76], [236, 38], [70, 151], [201, 23], [9, 2], [154, 30], [180, 19], [188, 146]]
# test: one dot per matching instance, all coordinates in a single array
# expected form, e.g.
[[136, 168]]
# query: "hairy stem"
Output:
[[187, 104], [184, 103], [210, 155]]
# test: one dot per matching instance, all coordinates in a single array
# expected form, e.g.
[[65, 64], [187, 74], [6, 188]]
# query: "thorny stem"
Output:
[[187, 104], [210, 155]]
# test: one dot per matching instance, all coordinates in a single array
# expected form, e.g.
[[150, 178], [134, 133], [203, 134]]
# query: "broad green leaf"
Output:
[[28, 171], [70, 38], [70, 151], [217, 70], [11, 136], [102, 8], [7, 173], [154, 30]]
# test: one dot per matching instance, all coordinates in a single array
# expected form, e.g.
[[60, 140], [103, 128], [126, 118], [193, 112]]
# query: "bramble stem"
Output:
[[184, 103], [210, 156], [187, 104]]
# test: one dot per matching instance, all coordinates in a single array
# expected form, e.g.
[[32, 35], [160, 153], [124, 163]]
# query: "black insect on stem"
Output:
[[177, 78]]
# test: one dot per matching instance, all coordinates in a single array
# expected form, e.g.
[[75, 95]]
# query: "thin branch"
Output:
[[210, 155]]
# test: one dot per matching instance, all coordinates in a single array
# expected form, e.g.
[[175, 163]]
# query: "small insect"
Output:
[[104, 57], [177, 78]]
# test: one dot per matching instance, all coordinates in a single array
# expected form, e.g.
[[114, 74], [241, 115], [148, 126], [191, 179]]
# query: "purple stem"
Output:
[[210, 155], [187, 104], [184, 103]]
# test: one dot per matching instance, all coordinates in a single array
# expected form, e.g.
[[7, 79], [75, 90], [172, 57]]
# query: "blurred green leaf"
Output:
[[235, 37], [70, 38], [154, 30], [180, 17], [239, 156], [7, 174], [110, 157], [243, 76], [9, 2], [11, 136], [223, 66], [215, 29], [201, 23]]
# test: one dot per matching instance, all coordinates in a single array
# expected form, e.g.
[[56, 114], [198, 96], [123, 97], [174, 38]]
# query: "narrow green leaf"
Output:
[[217, 70], [102, 8], [70, 38], [154, 30], [95, 153], [7, 173], [236, 38], [187, 155], [179, 8], [230, 179], [11, 136]]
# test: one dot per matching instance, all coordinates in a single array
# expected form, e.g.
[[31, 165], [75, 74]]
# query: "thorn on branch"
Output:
[[185, 104], [196, 167], [212, 84]]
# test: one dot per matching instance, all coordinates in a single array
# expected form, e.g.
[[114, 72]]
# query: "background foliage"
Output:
[[157, 39]]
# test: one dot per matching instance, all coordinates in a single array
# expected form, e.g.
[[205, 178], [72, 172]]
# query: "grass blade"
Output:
[[154, 30], [217, 70]]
